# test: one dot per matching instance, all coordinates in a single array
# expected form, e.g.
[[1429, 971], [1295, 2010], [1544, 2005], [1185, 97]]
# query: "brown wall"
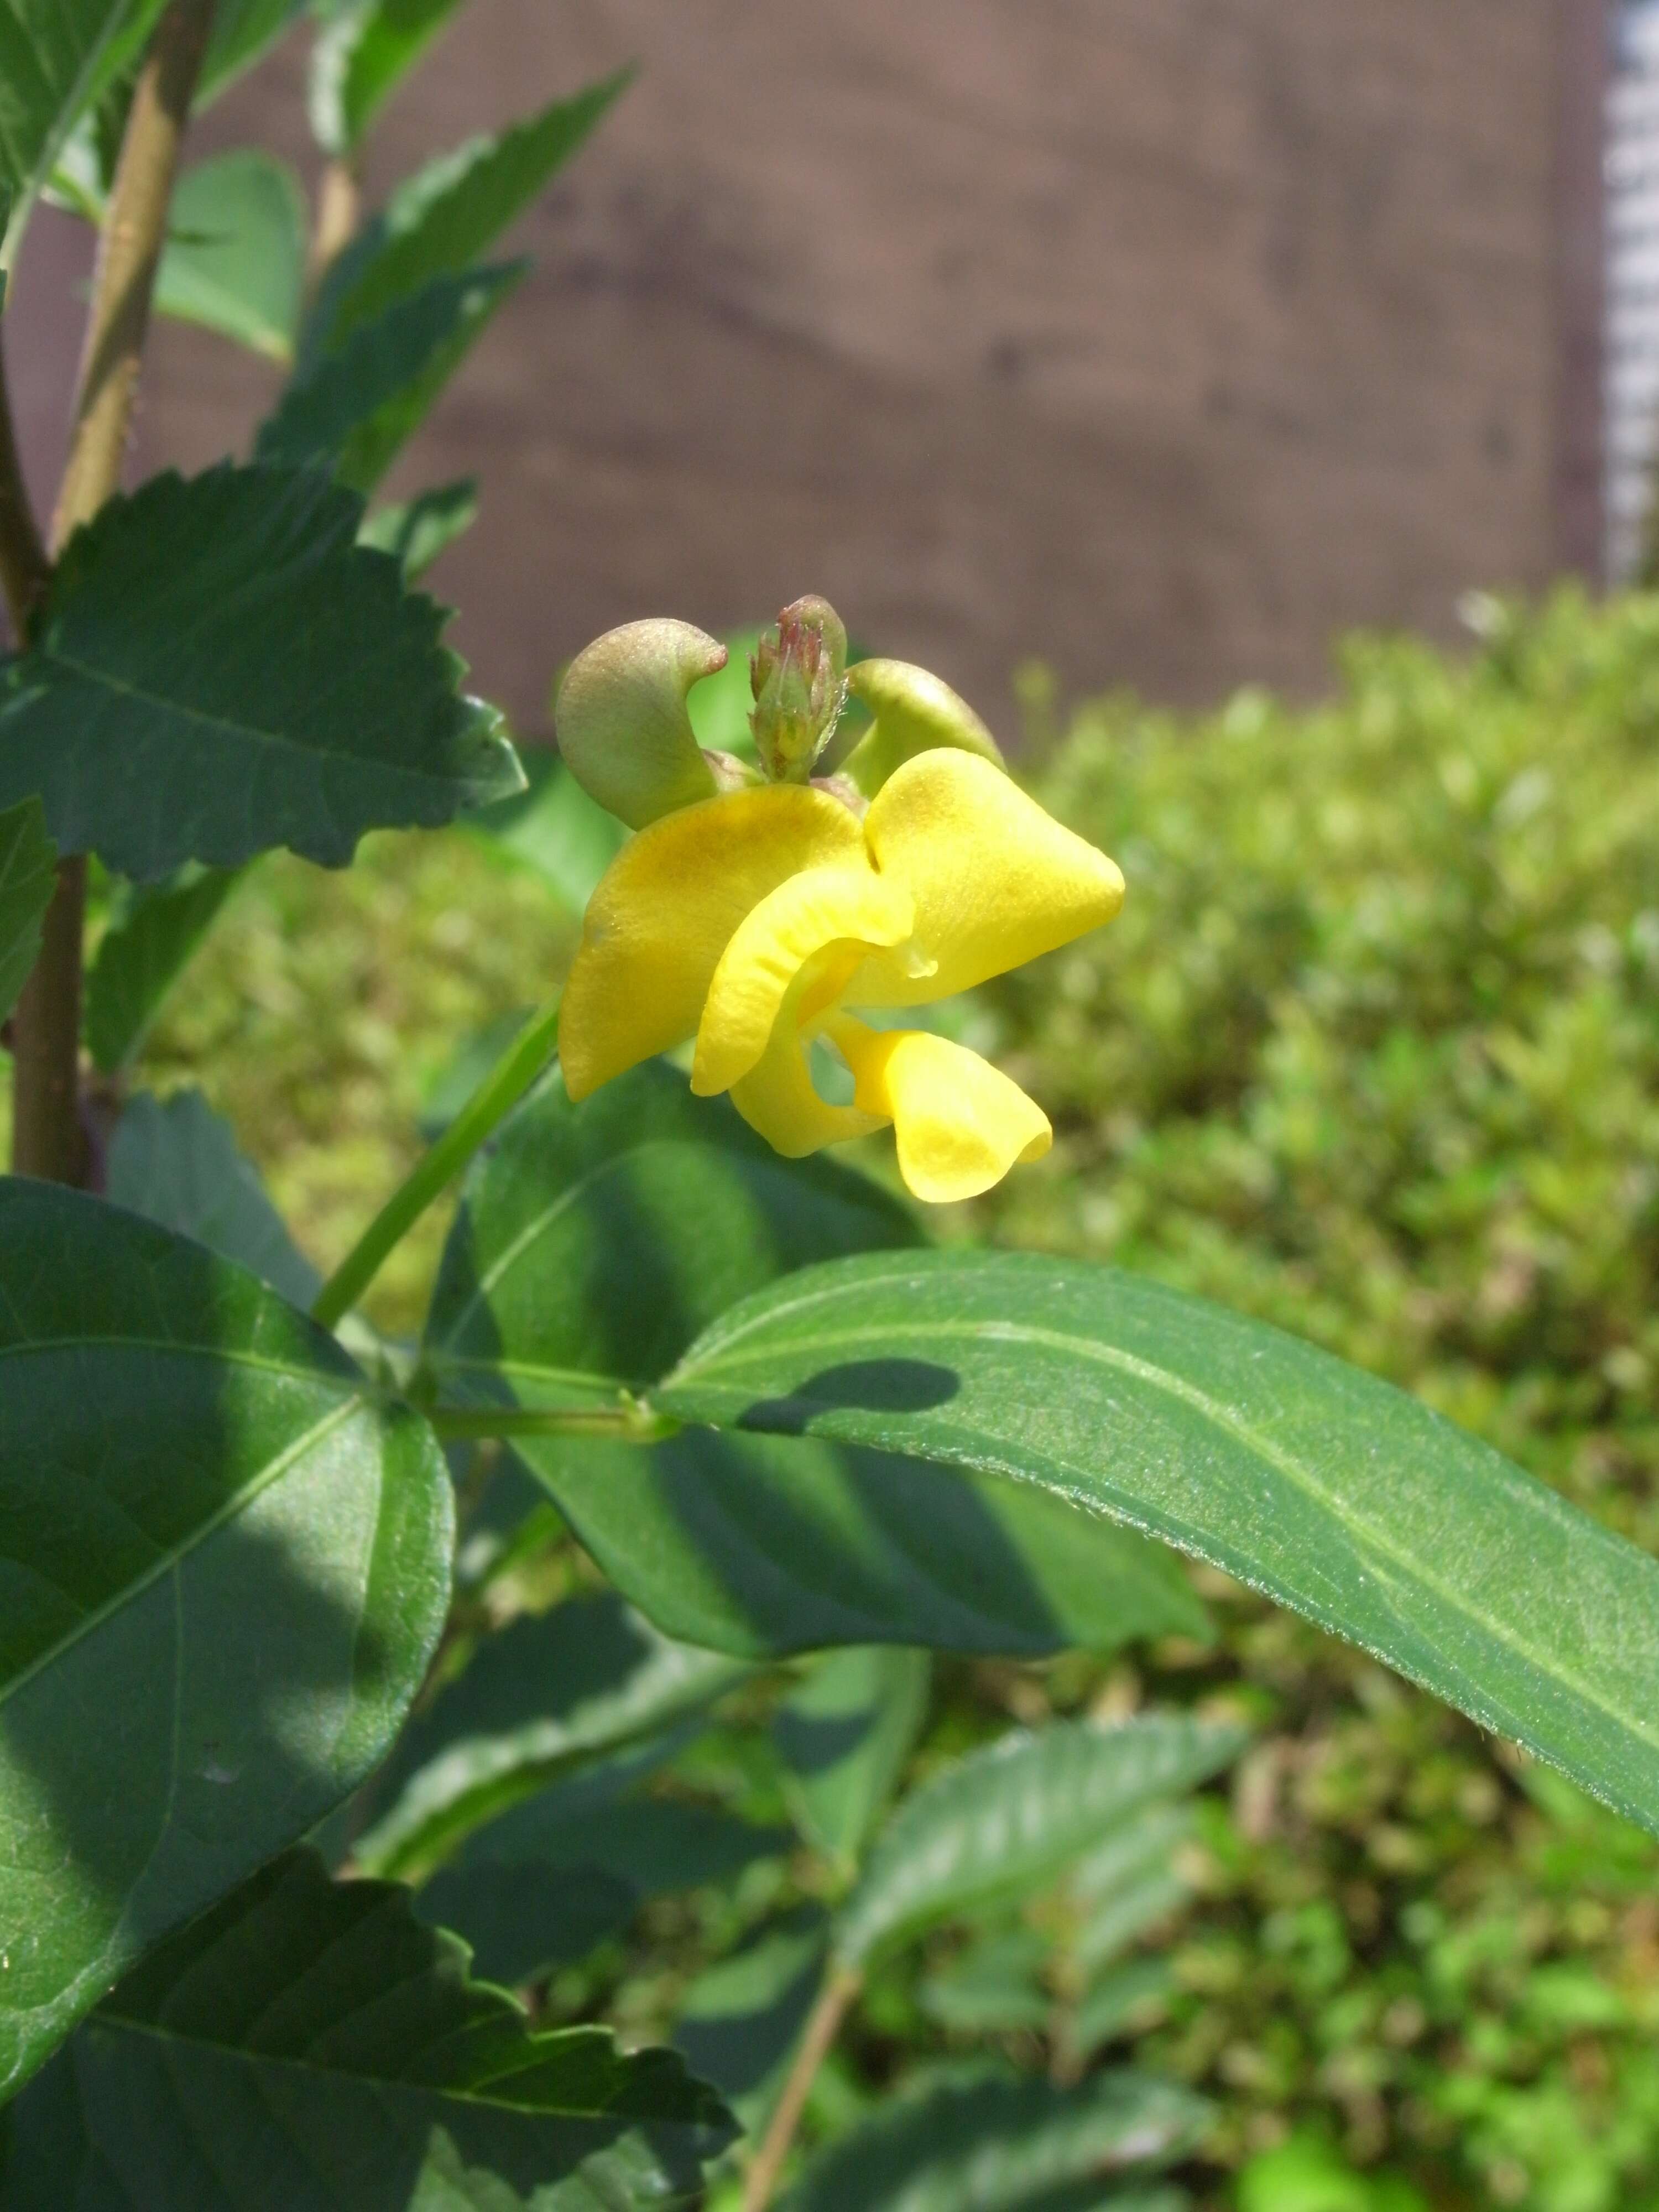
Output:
[[1163, 338]]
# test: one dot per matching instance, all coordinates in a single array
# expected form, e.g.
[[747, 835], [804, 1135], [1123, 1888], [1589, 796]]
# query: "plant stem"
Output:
[[340, 209], [48, 1138], [490, 1104], [628, 1423], [823, 2026]]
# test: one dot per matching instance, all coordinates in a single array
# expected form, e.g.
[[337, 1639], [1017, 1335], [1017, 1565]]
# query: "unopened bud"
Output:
[[798, 674]]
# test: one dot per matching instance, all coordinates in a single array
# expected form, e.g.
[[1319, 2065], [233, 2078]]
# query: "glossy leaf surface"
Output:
[[595, 1242], [27, 875], [223, 1567], [312, 2045], [991, 2143], [1003, 1821], [164, 716], [1330, 1491]]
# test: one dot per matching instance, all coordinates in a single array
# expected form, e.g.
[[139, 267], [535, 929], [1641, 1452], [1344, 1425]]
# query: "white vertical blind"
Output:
[[1632, 294]]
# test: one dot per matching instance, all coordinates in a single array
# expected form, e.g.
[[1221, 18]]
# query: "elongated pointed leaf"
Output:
[[176, 1162], [153, 931], [52, 56], [165, 714], [546, 1696], [443, 221], [1004, 1820], [27, 875], [242, 31], [310, 2045], [994, 2143], [223, 1567], [593, 1244], [360, 59], [996, 1988], [1335, 1493], [353, 409], [845, 1734], [741, 2017], [236, 250], [415, 531]]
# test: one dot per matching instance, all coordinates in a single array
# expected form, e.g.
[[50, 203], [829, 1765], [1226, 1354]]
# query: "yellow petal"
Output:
[[813, 930], [995, 880], [777, 1100], [667, 907], [961, 1123]]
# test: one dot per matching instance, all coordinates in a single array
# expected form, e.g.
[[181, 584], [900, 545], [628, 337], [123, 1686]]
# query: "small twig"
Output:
[[48, 1138], [823, 2026]]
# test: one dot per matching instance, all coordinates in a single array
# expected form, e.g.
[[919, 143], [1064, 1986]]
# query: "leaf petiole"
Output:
[[631, 1422]]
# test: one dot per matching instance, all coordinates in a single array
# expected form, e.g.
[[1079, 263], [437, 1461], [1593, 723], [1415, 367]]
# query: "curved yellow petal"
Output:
[[777, 1100], [813, 930], [665, 910], [961, 1123], [995, 880]]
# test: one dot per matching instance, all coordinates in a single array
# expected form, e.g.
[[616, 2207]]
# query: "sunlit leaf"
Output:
[[236, 249]]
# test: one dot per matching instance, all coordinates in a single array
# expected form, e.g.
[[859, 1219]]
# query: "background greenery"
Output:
[[1372, 1052]]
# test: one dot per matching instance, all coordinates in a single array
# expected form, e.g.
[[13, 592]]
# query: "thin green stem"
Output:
[[628, 1423], [473, 1127]]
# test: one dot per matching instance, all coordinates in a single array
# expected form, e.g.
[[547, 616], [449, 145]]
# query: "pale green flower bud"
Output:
[[798, 677], [622, 722]]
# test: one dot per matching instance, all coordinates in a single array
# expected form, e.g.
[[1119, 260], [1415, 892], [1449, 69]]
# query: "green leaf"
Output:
[[1335, 1493], [176, 1162], [994, 1989], [243, 30], [27, 876], [991, 2143], [592, 1245], [1120, 2003], [310, 2045], [154, 930], [361, 59], [544, 1884], [223, 1567], [741, 2018], [236, 251], [1004, 1820], [444, 219], [844, 1735], [53, 55], [352, 409], [549, 1694], [165, 714], [416, 530], [553, 827]]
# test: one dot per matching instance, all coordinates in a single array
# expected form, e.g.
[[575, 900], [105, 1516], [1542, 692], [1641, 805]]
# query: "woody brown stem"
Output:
[[823, 2026], [47, 1137]]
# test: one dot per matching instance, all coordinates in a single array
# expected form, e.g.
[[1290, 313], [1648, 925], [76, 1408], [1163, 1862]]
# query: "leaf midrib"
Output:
[[1222, 1418]]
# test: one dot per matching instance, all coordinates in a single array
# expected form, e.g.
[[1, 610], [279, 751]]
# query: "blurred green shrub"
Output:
[[1373, 1052]]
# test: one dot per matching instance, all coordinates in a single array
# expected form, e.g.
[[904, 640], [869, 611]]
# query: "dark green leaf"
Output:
[[416, 530], [1302, 1476], [1122, 2003], [236, 251], [310, 2045], [1004, 1820], [441, 221], [242, 31], [153, 931], [361, 59], [176, 1162], [554, 827], [593, 1243], [993, 2143], [27, 875], [544, 1884], [741, 2017], [223, 1566], [53, 58], [844, 1735], [165, 714], [352, 409], [549, 1694]]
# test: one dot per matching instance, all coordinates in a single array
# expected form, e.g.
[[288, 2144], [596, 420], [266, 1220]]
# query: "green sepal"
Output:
[[913, 711]]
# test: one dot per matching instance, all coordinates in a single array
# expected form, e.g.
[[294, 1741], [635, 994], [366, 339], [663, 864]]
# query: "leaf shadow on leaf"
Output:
[[865, 1386]]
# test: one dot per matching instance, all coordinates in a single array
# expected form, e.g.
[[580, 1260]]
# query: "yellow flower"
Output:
[[763, 918]]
